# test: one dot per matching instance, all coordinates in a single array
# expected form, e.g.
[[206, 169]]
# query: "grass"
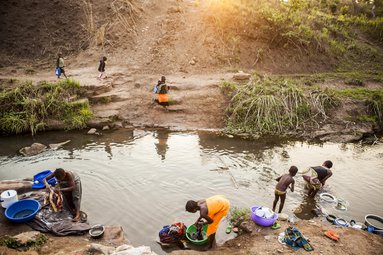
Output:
[[12, 243], [27, 107], [276, 106], [309, 27]]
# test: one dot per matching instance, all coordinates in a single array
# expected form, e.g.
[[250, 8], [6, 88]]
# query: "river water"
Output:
[[141, 179]]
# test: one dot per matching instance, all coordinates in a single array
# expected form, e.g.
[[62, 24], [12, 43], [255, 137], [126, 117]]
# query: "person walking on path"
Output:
[[212, 209], [101, 68], [70, 186], [60, 64]]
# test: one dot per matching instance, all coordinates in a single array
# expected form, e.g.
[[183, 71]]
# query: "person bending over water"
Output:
[[285, 181], [318, 177], [70, 186], [212, 209]]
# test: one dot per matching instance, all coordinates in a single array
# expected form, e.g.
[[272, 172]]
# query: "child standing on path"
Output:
[[284, 182], [60, 64], [101, 68]]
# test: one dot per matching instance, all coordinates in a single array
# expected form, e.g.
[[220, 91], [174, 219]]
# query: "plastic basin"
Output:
[[39, 177], [191, 230], [22, 210], [260, 220], [374, 221], [97, 231]]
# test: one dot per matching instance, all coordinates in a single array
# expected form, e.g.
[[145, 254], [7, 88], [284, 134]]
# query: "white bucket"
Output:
[[8, 197]]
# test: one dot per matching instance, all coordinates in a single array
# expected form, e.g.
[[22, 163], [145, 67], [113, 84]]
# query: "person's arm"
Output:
[[292, 186], [46, 179], [329, 173], [203, 215], [278, 178]]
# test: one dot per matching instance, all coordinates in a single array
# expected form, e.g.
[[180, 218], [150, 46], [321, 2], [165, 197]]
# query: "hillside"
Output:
[[191, 36]]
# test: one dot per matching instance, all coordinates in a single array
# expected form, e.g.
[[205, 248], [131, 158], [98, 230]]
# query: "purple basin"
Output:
[[260, 220]]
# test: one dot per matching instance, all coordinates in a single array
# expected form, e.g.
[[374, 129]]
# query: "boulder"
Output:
[[241, 76], [92, 131], [34, 149]]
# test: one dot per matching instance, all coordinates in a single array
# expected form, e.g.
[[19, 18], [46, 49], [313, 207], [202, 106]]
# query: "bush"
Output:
[[26, 107]]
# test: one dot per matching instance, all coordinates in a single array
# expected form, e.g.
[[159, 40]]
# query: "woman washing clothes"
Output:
[[70, 186]]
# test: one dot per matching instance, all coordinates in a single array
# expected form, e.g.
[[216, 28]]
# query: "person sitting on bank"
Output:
[[212, 209], [318, 177], [162, 91], [70, 186], [284, 182]]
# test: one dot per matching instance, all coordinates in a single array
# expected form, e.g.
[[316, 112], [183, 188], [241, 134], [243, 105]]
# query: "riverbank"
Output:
[[327, 107], [260, 241]]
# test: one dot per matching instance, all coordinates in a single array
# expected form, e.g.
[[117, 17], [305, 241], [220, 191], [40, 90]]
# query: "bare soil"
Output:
[[144, 40]]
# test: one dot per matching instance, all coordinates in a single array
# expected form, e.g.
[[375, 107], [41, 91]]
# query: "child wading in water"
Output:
[[101, 68], [284, 182]]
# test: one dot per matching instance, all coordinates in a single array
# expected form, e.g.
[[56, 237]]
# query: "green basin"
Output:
[[191, 230]]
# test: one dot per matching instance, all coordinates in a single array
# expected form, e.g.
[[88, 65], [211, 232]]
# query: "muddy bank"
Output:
[[260, 241]]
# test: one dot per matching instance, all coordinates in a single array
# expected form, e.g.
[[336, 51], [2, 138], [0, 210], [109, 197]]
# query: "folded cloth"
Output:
[[295, 239]]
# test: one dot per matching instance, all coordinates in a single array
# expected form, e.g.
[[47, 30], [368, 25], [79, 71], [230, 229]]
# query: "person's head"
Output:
[[104, 58], [327, 164], [60, 55], [163, 79], [59, 173], [293, 170], [191, 206]]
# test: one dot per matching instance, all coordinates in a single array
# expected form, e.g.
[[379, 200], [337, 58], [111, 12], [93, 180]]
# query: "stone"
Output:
[[24, 237], [282, 216], [34, 149], [241, 76], [105, 128], [55, 146], [246, 226], [192, 62], [92, 131]]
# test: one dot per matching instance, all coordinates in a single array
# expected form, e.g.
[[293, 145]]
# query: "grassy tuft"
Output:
[[27, 106]]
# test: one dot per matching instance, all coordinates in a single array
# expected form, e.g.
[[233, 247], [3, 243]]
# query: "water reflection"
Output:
[[148, 175], [162, 136]]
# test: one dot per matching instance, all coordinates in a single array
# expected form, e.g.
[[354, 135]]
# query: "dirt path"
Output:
[[165, 44]]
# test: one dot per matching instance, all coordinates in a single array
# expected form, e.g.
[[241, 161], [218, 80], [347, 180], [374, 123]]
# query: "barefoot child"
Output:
[[284, 182]]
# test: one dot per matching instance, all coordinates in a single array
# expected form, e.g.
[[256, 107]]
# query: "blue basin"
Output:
[[39, 177], [22, 210]]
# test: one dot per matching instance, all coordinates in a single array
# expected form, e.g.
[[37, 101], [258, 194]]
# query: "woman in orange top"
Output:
[[212, 209]]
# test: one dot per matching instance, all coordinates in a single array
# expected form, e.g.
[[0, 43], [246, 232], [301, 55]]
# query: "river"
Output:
[[141, 179]]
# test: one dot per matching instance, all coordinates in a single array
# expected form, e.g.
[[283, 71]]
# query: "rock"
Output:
[[92, 131], [280, 251], [105, 128], [246, 227], [114, 234], [118, 125], [95, 247], [241, 76], [235, 230], [192, 62], [55, 146], [24, 237], [230, 136], [267, 238], [282, 216], [34, 149]]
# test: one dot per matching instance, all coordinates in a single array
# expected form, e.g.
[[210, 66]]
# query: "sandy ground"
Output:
[[170, 39]]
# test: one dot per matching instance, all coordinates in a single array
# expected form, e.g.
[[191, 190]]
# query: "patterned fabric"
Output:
[[54, 199]]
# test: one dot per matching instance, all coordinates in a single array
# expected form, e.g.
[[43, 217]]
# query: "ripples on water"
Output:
[[142, 179]]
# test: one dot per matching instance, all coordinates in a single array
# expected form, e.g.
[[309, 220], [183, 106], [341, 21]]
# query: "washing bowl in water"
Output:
[[191, 230], [260, 220], [22, 210]]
